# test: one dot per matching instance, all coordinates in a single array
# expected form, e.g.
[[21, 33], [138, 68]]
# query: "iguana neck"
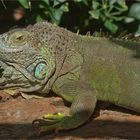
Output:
[[61, 47]]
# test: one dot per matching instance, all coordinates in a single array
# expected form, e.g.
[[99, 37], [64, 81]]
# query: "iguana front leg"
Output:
[[83, 103]]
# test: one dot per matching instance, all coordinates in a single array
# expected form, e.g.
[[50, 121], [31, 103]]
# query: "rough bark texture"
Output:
[[111, 122]]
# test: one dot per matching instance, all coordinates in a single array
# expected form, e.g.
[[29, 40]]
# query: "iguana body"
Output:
[[81, 69]]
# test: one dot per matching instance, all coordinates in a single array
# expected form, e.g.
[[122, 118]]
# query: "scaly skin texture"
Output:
[[80, 69]]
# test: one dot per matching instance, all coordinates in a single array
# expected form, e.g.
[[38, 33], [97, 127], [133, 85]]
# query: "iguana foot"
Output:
[[50, 122]]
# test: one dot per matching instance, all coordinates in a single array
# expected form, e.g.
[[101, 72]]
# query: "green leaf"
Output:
[[78, 0], [24, 3], [95, 14], [122, 3], [57, 2], [39, 18], [2, 1], [95, 4], [65, 7], [83, 1], [56, 15], [112, 2], [62, 0], [135, 11], [129, 19], [111, 26]]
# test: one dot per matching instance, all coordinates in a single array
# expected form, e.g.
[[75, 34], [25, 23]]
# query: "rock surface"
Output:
[[17, 114]]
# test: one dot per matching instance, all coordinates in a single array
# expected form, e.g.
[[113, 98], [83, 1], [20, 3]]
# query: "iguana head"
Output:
[[27, 58]]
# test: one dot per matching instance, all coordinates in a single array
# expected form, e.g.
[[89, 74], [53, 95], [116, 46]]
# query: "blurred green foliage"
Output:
[[111, 15]]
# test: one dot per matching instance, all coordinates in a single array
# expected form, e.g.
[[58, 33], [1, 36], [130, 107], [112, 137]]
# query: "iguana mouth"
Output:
[[2, 75], [11, 77]]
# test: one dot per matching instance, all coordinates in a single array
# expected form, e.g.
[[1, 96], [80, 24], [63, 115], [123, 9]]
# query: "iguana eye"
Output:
[[18, 38]]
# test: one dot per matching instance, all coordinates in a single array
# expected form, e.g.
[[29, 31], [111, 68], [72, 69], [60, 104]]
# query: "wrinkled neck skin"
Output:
[[59, 48], [35, 64]]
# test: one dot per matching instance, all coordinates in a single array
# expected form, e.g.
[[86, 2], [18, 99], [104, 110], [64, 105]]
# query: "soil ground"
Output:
[[108, 122]]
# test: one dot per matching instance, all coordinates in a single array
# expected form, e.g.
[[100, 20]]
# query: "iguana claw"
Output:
[[49, 122]]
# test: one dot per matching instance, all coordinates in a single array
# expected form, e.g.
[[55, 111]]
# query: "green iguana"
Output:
[[81, 69]]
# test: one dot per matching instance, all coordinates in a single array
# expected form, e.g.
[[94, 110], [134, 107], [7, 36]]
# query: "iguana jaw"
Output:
[[15, 78]]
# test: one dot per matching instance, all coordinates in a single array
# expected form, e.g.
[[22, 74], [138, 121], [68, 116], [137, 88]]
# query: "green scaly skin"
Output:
[[80, 69]]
